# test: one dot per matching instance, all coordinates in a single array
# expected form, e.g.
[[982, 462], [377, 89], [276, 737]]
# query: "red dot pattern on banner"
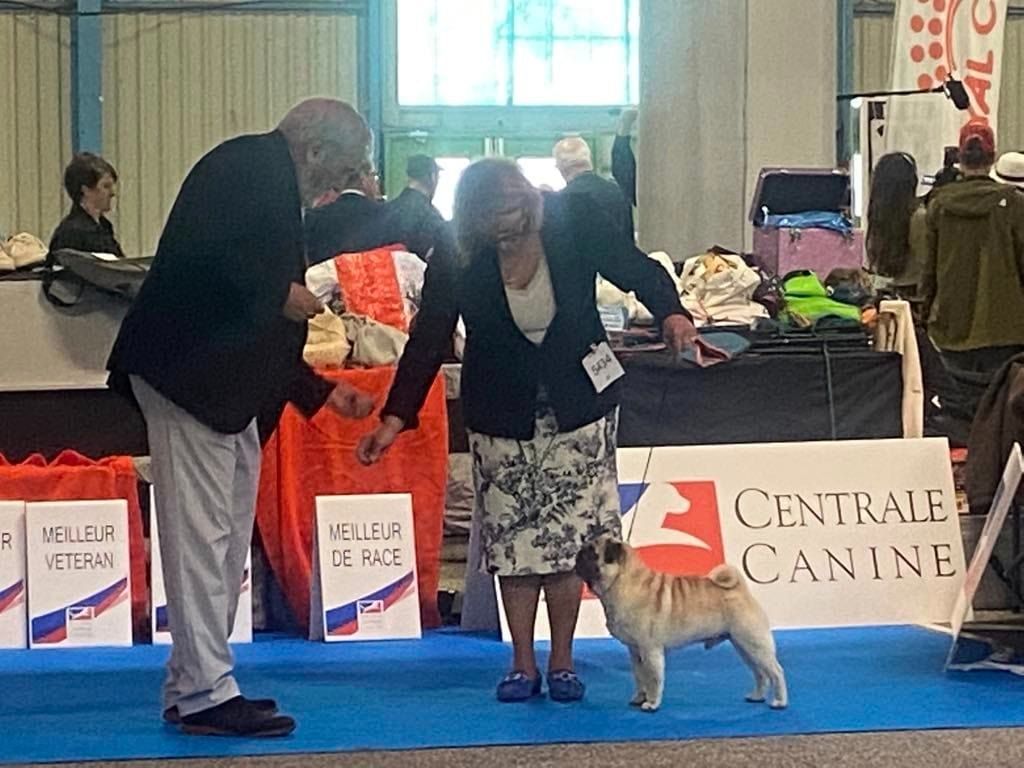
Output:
[[932, 26]]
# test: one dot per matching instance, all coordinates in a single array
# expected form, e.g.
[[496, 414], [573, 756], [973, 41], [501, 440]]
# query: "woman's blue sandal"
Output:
[[564, 685], [517, 686]]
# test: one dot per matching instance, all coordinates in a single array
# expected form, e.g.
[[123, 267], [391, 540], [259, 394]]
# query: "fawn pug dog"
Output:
[[650, 611]]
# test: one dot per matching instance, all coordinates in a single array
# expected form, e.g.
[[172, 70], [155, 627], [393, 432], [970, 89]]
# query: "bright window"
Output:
[[451, 172], [541, 172], [518, 52]]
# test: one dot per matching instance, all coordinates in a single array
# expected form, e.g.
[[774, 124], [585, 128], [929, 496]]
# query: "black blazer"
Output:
[[607, 196], [81, 232], [207, 329], [350, 224], [353, 223], [501, 368], [413, 220], [624, 167]]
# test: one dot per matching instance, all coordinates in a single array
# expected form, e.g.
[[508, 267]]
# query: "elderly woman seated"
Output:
[[91, 183]]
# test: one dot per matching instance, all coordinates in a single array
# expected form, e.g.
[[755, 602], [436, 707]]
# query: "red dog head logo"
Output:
[[676, 528]]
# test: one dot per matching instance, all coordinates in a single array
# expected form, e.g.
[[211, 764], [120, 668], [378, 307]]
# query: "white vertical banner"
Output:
[[241, 632], [13, 611], [935, 39]]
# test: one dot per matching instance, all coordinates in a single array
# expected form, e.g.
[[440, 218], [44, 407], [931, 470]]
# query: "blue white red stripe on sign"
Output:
[[629, 495], [11, 595], [52, 627], [344, 620]]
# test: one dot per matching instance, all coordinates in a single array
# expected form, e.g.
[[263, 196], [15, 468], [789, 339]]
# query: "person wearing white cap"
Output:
[[1009, 169]]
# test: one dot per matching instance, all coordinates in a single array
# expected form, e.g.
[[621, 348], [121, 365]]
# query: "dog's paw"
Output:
[[638, 699], [649, 706], [755, 698], [778, 704]]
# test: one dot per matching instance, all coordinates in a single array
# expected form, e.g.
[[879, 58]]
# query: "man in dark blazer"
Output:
[[623, 158], [412, 217], [574, 162], [216, 333]]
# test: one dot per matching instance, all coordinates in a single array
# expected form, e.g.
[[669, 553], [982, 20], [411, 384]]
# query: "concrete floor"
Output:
[[911, 749]]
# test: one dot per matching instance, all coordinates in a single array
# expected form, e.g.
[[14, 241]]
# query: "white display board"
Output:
[[13, 610], [79, 582], [364, 569], [242, 631], [994, 521], [828, 534], [841, 533]]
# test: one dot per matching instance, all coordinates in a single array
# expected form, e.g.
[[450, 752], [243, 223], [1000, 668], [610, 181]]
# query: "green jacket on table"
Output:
[[972, 281]]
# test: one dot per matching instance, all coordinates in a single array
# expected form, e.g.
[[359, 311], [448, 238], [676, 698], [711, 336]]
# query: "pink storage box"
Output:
[[798, 190], [781, 251]]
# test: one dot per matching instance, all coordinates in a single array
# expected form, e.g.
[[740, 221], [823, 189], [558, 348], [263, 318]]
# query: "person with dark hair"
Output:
[[949, 171], [540, 411], [91, 183], [623, 158], [897, 236], [972, 283], [424, 174], [411, 218]]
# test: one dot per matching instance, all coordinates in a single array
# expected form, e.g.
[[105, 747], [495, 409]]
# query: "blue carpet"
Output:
[[438, 692]]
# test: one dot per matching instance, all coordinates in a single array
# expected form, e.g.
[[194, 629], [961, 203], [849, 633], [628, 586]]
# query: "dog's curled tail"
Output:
[[726, 576]]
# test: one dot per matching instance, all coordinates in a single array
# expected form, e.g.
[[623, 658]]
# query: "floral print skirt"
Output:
[[540, 500]]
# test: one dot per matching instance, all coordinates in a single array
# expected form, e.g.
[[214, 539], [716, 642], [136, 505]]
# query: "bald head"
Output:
[[572, 157], [329, 142]]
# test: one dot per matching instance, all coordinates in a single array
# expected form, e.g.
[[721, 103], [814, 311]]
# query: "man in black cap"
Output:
[[412, 216]]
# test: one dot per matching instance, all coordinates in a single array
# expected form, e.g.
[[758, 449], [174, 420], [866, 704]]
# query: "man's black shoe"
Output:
[[237, 717], [267, 706]]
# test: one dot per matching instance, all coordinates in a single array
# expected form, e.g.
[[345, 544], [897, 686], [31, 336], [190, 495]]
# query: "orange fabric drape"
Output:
[[306, 459], [369, 285], [73, 477]]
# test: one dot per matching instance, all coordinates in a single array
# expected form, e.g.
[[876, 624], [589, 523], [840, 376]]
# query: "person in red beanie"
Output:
[[973, 279]]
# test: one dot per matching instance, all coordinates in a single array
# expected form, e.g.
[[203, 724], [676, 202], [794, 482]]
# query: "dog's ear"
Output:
[[613, 552]]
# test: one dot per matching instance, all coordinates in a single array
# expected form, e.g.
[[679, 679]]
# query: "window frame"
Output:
[[484, 120]]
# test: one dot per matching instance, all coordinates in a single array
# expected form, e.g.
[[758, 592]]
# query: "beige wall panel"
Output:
[[872, 41], [1011, 108], [35, 136], [177, 85]]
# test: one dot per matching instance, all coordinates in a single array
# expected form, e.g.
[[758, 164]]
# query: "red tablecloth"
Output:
[[73, 477], [304, 460]]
